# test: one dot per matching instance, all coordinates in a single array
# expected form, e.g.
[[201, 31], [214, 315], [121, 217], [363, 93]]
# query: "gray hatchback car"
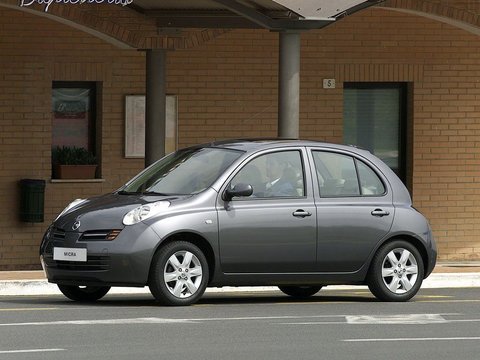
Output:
[[299, 215]]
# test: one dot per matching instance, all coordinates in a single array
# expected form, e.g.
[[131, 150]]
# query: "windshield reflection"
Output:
[[184, 172]]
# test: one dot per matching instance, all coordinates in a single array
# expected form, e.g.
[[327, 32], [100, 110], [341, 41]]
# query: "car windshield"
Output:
[[184, 172]]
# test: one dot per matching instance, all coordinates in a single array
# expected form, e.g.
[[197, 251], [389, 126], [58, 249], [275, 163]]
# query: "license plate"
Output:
[[70, 254]]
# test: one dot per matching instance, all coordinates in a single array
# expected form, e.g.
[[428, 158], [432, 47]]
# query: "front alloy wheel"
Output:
[[397, 272], [179, 274]]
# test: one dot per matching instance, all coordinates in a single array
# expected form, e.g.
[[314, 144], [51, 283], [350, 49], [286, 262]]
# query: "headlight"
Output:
[[144, 212], [70, 206]]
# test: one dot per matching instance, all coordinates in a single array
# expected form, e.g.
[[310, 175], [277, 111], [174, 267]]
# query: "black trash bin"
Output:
[[32, 200]]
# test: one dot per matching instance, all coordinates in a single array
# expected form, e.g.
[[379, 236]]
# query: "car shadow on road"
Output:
[[269, 298], [146, 300]]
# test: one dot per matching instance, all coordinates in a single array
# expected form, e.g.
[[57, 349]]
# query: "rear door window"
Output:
[[341, 175]]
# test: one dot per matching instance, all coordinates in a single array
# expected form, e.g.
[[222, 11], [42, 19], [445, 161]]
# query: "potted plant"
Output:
[[71, 162]]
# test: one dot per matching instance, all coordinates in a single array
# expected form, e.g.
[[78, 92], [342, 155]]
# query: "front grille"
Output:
[[100, 235], [93, 263], [95, 235], [58, 234]]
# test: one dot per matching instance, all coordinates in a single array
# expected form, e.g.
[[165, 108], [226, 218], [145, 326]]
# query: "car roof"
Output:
[[254, 144]]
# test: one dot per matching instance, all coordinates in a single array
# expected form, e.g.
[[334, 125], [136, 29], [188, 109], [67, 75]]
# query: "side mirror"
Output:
[[239, 190]]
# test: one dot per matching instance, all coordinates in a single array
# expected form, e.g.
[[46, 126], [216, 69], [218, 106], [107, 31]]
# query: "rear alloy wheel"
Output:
[[397, 271], [84, 293], [300, 291], [179, 274]]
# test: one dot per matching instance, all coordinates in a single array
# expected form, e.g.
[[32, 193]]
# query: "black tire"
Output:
[[396, 275], [188, 281], [300, 291], [84, 293]]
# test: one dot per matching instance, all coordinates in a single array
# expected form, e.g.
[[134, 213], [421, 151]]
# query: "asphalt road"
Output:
[[348, 324]]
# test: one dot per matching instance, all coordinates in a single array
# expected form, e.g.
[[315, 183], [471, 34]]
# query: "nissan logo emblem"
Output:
[[76, 225]]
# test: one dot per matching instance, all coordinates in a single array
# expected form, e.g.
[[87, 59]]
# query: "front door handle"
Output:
[[301, 213], [380, 213]]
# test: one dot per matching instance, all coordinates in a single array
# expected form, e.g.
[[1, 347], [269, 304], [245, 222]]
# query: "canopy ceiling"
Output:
[[269, 14]]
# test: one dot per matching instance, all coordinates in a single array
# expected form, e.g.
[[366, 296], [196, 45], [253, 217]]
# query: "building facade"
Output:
[[420, 59]]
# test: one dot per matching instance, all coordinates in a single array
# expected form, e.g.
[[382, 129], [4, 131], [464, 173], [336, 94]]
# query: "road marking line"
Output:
[[447, 301], [382, 323], [104, 322], [406, 319], [30, 351], [413, 339], [464, 320], [397, 319], [28, 309], [154, 320]]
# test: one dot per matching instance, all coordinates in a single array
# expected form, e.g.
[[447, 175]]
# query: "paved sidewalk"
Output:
[[445, 275]]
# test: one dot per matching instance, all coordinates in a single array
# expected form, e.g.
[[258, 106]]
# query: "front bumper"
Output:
[[124, 261]]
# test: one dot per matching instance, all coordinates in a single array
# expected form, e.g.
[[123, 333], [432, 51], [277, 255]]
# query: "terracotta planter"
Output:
[[75, 171]]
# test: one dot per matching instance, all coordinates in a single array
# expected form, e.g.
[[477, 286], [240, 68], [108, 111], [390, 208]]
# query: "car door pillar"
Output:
[[289, 84]]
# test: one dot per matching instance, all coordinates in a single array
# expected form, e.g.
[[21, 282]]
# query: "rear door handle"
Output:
[[301, 213], [380, 213]]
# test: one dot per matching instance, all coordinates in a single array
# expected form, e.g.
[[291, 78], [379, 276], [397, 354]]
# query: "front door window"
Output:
[[278, 174]]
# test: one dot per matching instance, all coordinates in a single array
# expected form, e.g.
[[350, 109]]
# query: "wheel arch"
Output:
[[194, 239]]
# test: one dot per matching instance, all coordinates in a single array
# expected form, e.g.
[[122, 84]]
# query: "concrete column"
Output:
[[289, 85], [155, 112]]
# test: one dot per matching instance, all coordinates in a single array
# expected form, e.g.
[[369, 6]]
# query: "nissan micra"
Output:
[[299, 215]]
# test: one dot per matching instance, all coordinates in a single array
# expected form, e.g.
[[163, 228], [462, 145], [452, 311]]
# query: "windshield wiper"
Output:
[[123, 192], [155, 193]]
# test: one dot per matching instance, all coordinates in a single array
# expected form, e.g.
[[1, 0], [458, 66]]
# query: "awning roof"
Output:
[[269, 14]]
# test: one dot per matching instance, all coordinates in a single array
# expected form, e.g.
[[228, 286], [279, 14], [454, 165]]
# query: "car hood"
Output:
[[106, 212]]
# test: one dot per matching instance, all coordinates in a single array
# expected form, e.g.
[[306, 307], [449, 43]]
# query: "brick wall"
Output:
[[35, 51], [228, 88]]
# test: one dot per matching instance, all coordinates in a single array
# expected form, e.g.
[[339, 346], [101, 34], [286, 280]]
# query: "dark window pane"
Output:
[[336, 174], [71, 117], [373, 120]]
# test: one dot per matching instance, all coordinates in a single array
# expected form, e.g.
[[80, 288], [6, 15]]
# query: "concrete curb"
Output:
[[42, 287]]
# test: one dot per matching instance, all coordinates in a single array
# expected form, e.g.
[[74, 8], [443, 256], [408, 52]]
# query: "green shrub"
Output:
[[71, 155]]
